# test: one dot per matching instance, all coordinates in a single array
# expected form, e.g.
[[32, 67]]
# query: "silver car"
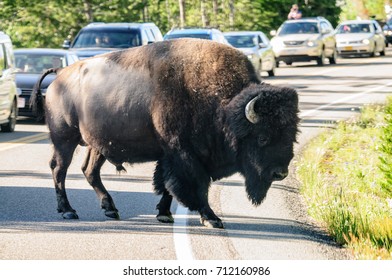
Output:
[[257, 47], [358, 37], [305, 39]]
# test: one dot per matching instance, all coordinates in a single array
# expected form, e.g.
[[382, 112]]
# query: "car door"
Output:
[[379, 37], [266, 52], [5, 86], [328, 38]]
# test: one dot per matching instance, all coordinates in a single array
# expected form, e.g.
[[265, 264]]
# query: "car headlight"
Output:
[[366, 41], [250, 56], [389, 33], [311, 43]]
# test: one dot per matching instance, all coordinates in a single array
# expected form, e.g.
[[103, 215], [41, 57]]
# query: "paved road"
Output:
[[30, 227]]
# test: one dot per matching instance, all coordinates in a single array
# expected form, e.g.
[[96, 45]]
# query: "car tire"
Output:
[[333, 58], [10, 126], [382, 53], [271, 73], [373, 53], [321, 58]]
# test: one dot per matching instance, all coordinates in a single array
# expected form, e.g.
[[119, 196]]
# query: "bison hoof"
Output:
[[211, 223], [70, 216], [167, 219], [112, 214]]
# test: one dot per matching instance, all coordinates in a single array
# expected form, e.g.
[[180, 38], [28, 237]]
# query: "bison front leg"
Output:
[[91, 169], [163, 207], [186, 179]]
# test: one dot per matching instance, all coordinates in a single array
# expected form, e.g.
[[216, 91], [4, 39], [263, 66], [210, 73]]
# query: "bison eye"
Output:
[[263, 140]]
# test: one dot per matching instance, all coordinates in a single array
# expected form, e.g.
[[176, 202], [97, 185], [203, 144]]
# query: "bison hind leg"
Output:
[[91, 169]]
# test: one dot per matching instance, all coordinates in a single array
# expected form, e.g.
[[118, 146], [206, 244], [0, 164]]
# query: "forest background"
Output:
[[48, 23]]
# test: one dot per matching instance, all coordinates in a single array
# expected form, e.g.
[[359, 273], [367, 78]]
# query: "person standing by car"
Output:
[[295, 13]]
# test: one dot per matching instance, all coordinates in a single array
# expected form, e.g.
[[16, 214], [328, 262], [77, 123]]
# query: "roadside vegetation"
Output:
[[346, 177]]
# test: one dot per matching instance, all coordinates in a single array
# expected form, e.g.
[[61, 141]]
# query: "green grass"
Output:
[[342, 185]]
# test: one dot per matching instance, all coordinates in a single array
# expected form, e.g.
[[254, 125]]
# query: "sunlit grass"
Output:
[[341, 182]]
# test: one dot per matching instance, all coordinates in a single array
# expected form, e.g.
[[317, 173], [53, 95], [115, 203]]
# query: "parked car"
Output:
[[256, 46], [99, 37], [8, 90], [358, 37], [30, 64], [305, 39], [201, 33], [387, 28]]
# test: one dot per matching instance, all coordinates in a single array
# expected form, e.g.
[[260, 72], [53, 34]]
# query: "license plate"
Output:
[[348, 48], [21, 102]]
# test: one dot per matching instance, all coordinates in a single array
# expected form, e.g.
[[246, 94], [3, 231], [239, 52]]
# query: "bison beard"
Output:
[[195, 107]]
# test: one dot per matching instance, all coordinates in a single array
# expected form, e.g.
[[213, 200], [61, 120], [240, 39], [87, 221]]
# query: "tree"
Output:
[[47, 24]]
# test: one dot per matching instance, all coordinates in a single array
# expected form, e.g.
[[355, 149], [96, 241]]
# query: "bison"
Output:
[[195, 107]]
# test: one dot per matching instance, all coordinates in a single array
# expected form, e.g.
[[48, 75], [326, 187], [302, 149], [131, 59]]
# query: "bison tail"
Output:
[[36, 99]]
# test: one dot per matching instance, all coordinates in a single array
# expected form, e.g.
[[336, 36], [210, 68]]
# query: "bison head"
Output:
[[262, 124]]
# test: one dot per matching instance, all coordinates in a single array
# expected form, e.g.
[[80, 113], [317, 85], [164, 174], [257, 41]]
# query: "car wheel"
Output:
[[289, 63], [260, 70], [10, 126], [373, 53], [382, 53], [271, 72], [321, 58], [332, 60]]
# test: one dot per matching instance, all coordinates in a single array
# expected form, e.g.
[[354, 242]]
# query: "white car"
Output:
[[257, 47], [305, 39], [358, 37]]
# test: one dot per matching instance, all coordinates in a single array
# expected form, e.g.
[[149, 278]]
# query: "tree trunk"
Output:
[[88, 12], [204, 18], [215, 12], [231, 15], [182, 13]]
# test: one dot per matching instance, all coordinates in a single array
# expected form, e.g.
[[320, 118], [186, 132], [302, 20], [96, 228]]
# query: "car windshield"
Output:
[[37, 63], [299, 27], [354, 28], [242, 41], [107, 39], [188, 35]]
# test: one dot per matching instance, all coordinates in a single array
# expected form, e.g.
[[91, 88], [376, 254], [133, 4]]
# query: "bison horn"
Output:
[[250, 111]]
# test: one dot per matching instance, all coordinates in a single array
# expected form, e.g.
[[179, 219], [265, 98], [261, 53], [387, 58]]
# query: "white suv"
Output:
[[8, 92], [305, 39]]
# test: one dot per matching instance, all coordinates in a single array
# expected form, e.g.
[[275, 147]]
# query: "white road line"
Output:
[[344, 99], [182, 243]]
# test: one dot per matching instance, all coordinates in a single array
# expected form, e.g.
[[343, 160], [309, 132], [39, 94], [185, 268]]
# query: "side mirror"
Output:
[[262, 45], [273, 32], [66, 44], [325, 31]]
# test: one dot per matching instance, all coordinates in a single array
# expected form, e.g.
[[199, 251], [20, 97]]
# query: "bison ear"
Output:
[[250, 112]]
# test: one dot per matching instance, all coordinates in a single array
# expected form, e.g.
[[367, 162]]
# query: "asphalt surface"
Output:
[[31, 229]]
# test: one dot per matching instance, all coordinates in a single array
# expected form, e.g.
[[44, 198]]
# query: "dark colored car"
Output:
[[98, 38], [31, 63], [387, 28]]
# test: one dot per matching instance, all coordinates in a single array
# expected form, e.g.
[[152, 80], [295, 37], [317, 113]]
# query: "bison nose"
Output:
[[279, 175]]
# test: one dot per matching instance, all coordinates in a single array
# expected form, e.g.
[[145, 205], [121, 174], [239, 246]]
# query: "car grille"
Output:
[[26, 91], [293, 43], [349, 42]]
